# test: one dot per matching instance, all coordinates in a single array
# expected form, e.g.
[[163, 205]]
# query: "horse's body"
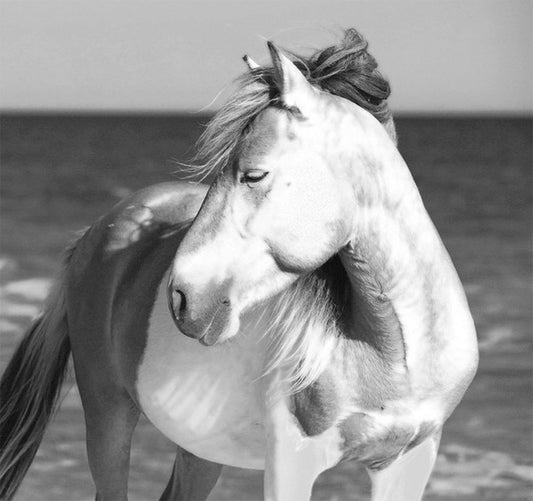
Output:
[[354, 342]]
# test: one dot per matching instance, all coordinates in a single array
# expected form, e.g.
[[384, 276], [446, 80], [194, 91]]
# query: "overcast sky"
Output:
[[440, 55]]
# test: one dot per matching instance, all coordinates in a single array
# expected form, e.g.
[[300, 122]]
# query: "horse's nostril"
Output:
[[180, 303], [176, 302]]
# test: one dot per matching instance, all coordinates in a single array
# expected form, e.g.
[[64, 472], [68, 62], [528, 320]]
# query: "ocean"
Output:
[[58, 173]]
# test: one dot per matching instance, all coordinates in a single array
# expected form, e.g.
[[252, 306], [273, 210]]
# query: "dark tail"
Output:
[[29, 391]]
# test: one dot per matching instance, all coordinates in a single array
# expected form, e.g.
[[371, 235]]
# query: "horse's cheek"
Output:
[[303, 248]]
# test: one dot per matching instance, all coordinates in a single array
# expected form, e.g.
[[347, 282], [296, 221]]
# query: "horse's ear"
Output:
[[294, 89], [252, 65]]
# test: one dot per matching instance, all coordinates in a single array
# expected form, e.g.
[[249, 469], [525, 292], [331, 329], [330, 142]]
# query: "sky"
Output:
[[441, 56]]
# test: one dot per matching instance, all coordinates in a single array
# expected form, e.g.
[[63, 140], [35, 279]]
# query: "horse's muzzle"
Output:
[[206, 320]]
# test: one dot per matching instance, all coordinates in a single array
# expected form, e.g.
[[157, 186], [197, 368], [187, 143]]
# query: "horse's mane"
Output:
[[306, 319], [347, 70]]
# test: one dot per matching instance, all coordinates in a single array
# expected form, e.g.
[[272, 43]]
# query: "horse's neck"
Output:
[[403, 283]]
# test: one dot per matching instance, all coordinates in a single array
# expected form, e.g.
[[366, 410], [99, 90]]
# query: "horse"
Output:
[[300, 311]]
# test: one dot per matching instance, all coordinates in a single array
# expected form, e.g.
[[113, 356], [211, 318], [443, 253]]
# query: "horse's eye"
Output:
[[253, 176]]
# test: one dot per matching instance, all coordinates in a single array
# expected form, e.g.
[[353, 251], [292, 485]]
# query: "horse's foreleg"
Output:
[[110, 421], [192, 478], [406, 478], [293, 460], [289, 473]]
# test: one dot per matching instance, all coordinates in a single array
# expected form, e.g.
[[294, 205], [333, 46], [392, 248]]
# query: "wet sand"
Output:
[[60, 173]]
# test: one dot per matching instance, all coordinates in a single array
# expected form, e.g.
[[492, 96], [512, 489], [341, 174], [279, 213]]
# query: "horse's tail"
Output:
[[29, 391]]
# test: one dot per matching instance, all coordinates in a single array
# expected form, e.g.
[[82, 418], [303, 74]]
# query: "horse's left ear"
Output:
[[295, 91]]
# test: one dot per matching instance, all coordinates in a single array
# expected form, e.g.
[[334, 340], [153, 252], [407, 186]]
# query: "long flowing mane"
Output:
[[306, 319]]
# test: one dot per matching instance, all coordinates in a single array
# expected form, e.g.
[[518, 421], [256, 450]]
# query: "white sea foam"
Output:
[[33, 289]]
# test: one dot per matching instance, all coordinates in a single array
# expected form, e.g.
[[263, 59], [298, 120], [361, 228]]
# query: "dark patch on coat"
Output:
[[114, 277], [316, 407]]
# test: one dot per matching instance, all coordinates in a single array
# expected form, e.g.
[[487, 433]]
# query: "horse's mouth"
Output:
[[207, 340], [217, 333]]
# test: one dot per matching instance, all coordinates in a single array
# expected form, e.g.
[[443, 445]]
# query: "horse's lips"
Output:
[[213, 330], [211, 337], [220, 330], [208, 341]]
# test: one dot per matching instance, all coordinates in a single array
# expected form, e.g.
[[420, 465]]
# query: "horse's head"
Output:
[[279, 209]]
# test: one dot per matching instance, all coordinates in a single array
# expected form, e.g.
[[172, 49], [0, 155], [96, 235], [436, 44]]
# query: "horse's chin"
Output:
[[215, 335]]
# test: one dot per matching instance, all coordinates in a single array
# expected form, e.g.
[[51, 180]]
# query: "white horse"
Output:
[[315, 315]]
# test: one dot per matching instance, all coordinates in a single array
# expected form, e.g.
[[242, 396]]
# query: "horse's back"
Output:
[[113, 276]]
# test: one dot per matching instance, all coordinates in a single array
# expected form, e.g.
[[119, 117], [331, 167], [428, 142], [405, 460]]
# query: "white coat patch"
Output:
[[208, 400]]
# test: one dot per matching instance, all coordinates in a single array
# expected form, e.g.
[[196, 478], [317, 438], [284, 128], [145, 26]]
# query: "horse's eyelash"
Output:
[[293, 110]]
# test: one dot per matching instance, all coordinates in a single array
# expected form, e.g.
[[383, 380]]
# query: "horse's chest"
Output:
[[207, 400]]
